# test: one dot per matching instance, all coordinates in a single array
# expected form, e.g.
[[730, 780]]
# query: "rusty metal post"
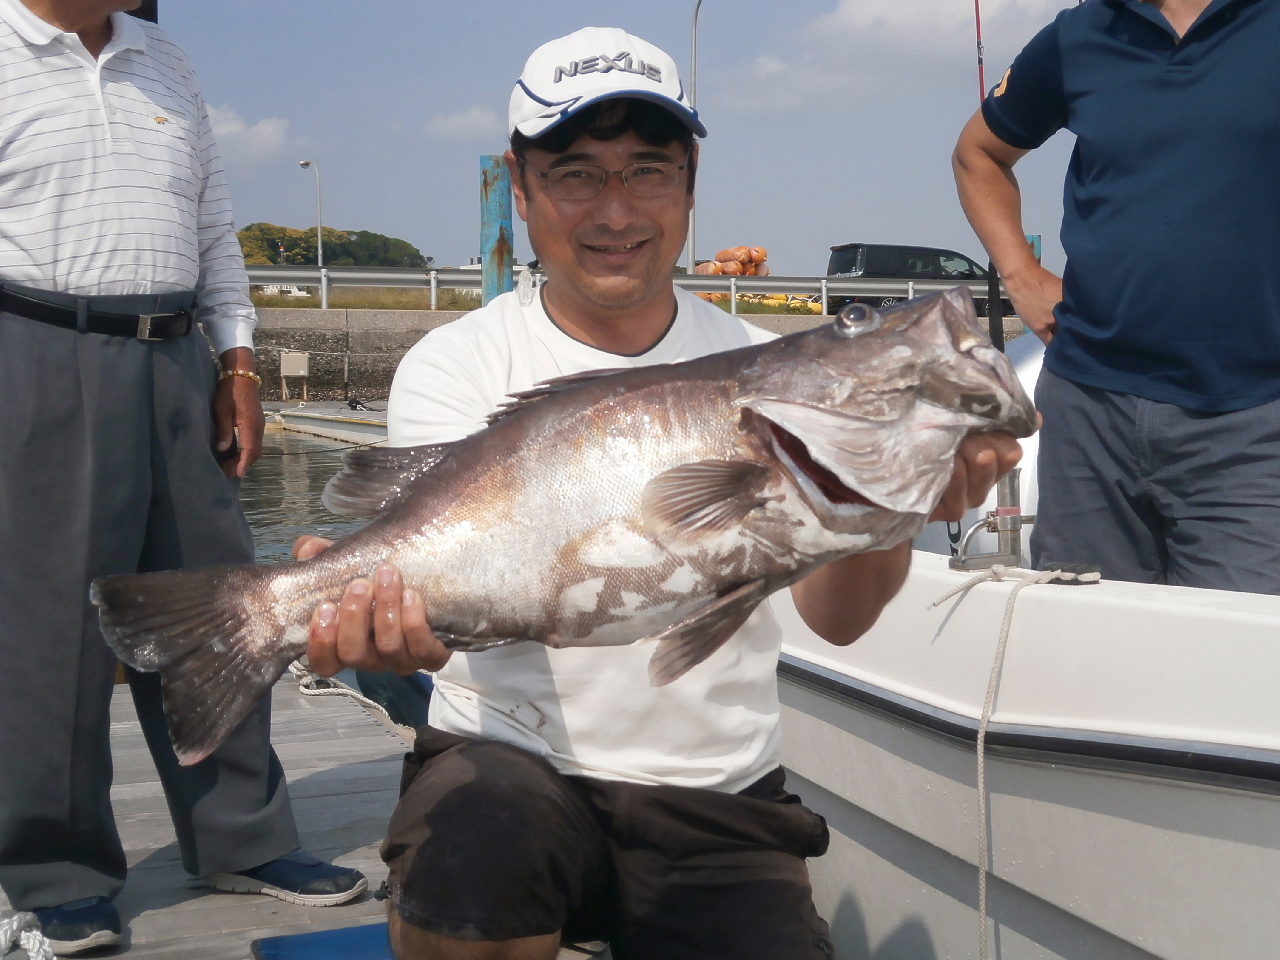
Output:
[[497, 256]]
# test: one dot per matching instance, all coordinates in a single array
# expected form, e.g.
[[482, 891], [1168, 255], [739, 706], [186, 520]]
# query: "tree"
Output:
[[366, 249], [266, 243]]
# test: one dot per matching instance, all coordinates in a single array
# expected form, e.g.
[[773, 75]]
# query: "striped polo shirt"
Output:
[[110, 181]]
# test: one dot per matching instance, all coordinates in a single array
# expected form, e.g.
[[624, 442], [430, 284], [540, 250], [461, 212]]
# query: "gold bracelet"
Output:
[[247, 374]]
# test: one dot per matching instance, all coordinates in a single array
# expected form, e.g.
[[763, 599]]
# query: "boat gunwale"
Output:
[[1236, 767]]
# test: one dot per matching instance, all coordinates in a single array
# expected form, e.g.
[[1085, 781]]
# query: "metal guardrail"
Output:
[[459, 279], [366, 277]]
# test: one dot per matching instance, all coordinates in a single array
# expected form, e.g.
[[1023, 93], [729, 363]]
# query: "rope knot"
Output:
[[24, 929]]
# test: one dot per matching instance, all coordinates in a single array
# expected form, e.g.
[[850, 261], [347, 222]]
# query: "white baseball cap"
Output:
[[593, 64]]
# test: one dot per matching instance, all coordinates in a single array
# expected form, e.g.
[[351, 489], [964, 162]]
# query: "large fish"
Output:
[[660, 503]]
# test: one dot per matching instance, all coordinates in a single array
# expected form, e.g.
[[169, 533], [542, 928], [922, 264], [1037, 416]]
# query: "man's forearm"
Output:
[[237, 358], [843, 599], [990, 196]]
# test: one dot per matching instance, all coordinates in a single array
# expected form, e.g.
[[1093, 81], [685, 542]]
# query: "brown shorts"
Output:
[[489, 842]]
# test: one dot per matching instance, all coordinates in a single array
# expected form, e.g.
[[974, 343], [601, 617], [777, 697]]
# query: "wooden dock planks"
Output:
[[343, 767]]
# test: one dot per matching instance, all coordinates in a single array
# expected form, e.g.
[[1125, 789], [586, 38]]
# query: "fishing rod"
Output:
[[982, 76]]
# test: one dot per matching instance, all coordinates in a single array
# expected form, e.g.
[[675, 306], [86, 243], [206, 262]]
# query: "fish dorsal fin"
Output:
[[548, 388], [701, 498], [372, 478], [901, 465], [686, 644]]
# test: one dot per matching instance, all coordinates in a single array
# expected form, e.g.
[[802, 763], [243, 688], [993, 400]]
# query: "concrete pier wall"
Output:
[[375, 339]]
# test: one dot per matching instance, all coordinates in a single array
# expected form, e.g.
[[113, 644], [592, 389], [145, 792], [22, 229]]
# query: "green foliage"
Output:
[[363, 248], [266, 243]]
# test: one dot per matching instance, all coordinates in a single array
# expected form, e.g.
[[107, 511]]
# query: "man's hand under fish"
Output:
[[382, 626]]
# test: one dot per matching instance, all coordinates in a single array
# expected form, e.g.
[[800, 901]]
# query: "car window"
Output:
[[881, 262], [956, 267], [843, 261], [922, 265]]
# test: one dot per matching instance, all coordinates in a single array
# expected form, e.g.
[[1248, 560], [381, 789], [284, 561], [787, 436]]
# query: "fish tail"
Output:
[[200, 631]]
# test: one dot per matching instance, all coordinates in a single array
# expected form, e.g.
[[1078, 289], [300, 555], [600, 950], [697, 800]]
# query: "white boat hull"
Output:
[[1133, 772]]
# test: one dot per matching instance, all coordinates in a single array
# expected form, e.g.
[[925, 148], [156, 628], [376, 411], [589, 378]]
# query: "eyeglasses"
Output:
[[582, 181]]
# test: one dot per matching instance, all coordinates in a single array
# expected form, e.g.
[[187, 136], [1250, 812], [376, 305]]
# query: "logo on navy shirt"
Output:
[[604, 64]]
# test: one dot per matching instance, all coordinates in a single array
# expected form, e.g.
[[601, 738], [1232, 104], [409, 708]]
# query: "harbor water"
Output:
[[281, 494]]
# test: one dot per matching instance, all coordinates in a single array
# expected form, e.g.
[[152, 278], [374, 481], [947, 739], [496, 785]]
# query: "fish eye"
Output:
[[856, 319]]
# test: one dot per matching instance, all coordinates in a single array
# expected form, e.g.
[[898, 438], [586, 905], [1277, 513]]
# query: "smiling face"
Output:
[[614, 251]]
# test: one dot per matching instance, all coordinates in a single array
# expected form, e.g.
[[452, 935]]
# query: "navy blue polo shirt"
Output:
[[1171, 211]]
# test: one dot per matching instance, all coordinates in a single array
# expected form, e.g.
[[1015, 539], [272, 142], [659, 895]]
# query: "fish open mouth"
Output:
[[827, 482]]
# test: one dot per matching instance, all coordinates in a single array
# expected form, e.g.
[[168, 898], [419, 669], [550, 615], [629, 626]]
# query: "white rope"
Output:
[[996, 573], [24, 930], [311, 684]]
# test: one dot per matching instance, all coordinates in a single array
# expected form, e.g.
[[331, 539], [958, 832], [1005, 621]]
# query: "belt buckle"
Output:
[[144, 325]]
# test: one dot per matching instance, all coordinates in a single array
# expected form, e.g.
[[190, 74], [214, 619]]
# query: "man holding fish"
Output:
[[612, 792]]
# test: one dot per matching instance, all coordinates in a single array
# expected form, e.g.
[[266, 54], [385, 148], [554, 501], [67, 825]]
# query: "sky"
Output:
[[830, 121]]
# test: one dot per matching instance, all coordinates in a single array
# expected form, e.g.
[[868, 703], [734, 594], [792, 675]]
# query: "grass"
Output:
[[377, 298]]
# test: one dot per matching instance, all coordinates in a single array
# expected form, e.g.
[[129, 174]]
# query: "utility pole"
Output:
[[324, 274]]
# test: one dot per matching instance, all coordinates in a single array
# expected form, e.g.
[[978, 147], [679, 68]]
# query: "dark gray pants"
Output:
[[1155, 493], [106, 467]]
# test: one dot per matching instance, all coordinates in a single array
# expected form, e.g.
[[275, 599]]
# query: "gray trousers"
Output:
[[1155, 493], [106, 467]]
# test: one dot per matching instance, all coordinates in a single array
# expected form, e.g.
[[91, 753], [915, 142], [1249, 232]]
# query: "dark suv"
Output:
[[890, 262]]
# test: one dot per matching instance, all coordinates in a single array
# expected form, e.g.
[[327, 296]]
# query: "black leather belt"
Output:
[[145, 317]]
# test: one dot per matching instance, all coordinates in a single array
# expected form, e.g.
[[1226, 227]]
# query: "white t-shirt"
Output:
[[589, 710]]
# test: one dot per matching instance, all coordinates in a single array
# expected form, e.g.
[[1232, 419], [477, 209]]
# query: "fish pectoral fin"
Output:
[[372, 478], [701, 498], [686, 644]]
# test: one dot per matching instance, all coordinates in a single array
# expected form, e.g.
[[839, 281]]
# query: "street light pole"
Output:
[[324, 276], [693, 102]]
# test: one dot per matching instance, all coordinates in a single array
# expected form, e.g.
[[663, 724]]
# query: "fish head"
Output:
[[871, 408], [963, 370]]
